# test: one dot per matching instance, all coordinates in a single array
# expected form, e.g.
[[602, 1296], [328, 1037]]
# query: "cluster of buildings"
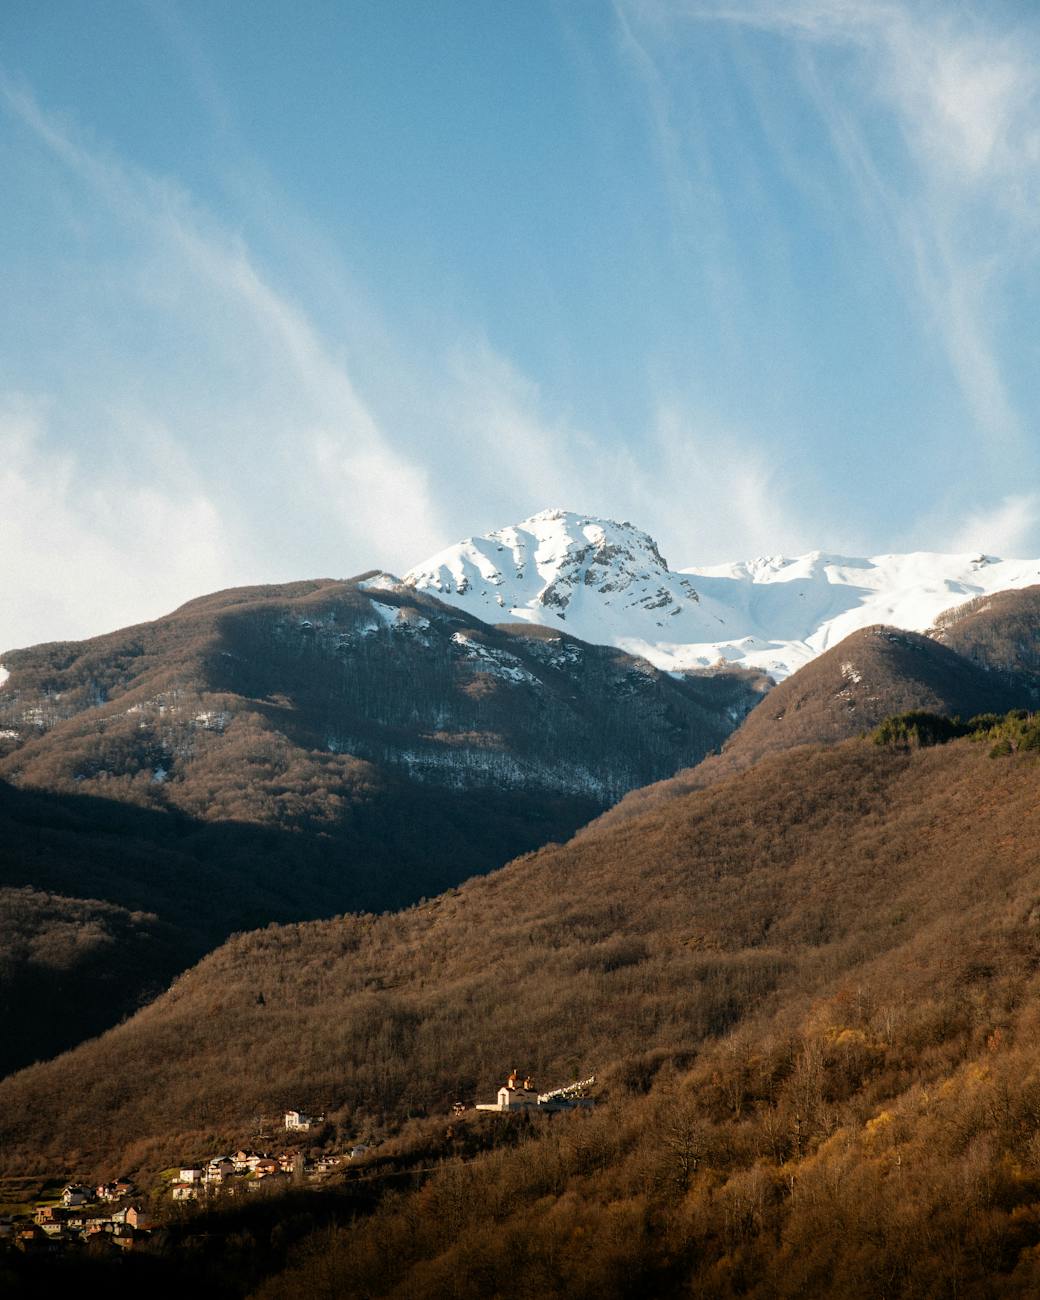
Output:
[[519, 1094], [96, 1216], [105, 1215], [254, 1169]]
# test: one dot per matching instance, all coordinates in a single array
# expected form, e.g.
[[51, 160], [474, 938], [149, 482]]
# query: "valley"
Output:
[[341, 849], [767, 1000]]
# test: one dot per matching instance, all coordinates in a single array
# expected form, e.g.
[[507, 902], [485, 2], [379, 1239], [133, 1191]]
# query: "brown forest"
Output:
[[981, 657], [286, 753], [809, 993]]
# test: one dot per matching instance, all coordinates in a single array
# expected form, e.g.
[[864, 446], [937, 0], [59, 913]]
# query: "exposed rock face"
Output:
[[605, 579]]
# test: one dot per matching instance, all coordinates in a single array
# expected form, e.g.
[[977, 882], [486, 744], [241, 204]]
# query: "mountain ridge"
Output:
[[875, 673], [298, 751], [608, 582]]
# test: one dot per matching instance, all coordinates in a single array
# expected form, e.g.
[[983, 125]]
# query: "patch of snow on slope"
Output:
[[489, 659], [213, 720], [4, 674], [389, 615], [381, 582], [393, 618]]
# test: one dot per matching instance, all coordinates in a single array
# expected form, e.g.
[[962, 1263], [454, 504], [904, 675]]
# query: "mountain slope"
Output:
[[872, 675], [70, 968], [607, 582], [809, 997], [1001, 632], [156, 889], [283, 753], [652, 935], [368, 669]]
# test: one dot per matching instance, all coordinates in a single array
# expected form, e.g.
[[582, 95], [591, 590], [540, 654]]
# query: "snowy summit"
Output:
[[598, 578], [607, 582]]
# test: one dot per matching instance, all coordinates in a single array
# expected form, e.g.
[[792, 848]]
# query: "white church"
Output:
[[518, 1094]]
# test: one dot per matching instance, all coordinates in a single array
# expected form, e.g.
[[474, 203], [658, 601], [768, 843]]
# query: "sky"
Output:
[[304, 290]]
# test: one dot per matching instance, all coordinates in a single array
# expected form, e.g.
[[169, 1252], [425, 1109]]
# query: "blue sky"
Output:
[[299, 290]]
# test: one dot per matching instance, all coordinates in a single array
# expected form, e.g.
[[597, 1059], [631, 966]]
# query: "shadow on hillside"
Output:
[[165, 888]]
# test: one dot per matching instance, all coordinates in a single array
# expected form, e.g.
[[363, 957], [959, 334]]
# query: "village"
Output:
[[113, 1216], [251, 1170]]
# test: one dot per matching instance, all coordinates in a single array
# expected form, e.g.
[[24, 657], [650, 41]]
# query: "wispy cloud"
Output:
[[1007, 530], [227, 382], [963, 97], [706, 491], [262, 406], [78, 557]]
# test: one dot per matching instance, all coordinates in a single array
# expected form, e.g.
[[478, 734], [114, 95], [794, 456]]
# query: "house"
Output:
[[219, 1168], [133, 1217], [113, 1191], [76, 1194], [267, 1178], [185, 1191], [191, 1174], [297, 1121], [48, 1214], [33, 1240], [357, 1152]]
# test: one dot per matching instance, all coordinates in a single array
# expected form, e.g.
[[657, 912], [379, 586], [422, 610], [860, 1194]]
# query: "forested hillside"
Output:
[[285, 753], [1001, 632], [807, 993], [849, 690], [189, 883], [207, 709]]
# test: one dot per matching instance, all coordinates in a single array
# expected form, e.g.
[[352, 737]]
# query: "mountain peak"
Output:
[[607, 582], [604, 579]]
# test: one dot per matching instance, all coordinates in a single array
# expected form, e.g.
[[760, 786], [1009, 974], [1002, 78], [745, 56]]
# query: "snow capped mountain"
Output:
[[607, 583], [593, 577]]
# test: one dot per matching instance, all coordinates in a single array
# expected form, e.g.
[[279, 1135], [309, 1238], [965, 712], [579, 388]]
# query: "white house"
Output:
[[75, 1194], [191, 1174], [296, 1121], [219, 1168]]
